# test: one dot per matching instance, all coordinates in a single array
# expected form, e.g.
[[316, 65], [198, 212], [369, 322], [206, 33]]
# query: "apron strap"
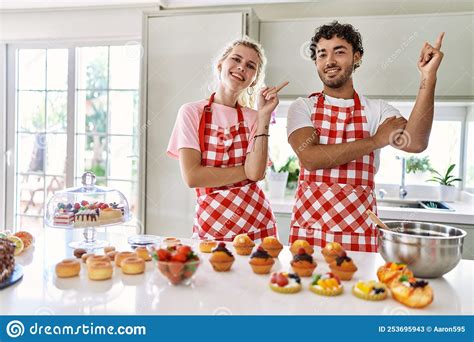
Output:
[[206, 111], [202, 122]]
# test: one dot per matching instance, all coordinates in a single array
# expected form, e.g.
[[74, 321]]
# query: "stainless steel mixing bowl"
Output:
[[430, 250]]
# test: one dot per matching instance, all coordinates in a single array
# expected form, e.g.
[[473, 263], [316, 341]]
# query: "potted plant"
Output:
[[279, 178], [277, 181], [416, 169], [447, 188]]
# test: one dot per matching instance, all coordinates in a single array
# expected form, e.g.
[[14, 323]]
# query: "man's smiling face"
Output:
[[335, 61]]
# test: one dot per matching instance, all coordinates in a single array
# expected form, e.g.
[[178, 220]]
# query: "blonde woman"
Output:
[[222, 147]]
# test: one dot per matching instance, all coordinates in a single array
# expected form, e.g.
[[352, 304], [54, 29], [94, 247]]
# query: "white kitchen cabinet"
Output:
[[180, 48], [392, 45]]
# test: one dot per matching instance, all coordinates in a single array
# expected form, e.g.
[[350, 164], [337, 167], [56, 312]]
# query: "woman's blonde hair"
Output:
[[244, 99]]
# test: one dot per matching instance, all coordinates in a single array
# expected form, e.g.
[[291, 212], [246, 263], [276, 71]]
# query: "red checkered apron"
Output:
[[331, 204], [224, 212]]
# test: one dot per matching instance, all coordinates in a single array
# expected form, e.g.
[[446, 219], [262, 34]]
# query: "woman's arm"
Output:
[[197, 176], [257, 160]]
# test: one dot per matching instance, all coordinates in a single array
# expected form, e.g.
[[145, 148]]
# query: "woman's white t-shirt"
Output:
[[376, 111]]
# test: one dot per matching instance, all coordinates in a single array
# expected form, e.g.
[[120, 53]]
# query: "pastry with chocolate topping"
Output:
[[221, 258], [343, 267], [303, 263], [261, 261]]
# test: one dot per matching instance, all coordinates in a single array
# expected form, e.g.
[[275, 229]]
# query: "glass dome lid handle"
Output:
[[88, 179]]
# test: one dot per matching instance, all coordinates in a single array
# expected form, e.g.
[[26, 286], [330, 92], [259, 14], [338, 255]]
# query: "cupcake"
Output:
[[272, 246], [303, 263], [206, 246], [331, 251], [343, 267], [283, 282], [261, 261], [221, 258], [370, 290], [243, 245], [301, 244], [391, 271], [326, 284]]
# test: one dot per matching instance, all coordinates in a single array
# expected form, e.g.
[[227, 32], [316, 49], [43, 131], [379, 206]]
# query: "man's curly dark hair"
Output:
[[343, 31]]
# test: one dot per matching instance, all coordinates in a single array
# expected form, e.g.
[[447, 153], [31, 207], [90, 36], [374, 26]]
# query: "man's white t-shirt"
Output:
[[376, 111]]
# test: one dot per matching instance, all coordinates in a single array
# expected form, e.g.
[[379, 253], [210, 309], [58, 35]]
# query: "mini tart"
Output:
[[343, 267], [331, 251], [412, 292], [243, 245], [261, 261], [206, 246], [301, 244], [221, 258], [370, 290], [171, 241], [392, 271], [303, 263], [326, 285], [272, 246], [283, 282]]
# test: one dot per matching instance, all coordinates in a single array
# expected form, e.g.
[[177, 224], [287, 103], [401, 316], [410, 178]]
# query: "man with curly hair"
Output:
[[337, 135]]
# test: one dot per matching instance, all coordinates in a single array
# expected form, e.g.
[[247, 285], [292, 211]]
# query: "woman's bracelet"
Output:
[[261, 135]]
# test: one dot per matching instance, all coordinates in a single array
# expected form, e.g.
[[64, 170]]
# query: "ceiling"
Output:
[[266, 10]]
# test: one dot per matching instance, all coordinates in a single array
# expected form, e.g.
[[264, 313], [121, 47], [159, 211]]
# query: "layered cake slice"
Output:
[[64, 218], [110, 215], [87, 218]]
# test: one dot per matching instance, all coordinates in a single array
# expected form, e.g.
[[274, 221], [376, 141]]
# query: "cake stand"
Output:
[[87, 207]]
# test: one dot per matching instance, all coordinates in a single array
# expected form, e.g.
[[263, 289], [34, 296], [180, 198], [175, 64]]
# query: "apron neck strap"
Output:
[[357, 105], [207, 110]]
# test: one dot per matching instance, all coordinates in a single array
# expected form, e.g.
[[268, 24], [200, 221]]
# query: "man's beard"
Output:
[[335, 82]]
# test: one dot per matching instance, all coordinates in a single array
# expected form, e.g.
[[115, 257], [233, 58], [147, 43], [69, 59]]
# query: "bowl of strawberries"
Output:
[[177, 263]]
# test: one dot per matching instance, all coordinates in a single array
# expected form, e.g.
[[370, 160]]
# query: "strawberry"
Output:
[[281, 280], [185, 250], [163, 255], [273, 279], [105, 206], [84, 203], [179, 257], [77, 206], [301, 251]]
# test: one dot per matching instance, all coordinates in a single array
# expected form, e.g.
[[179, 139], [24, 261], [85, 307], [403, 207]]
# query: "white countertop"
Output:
[[239, 291], [463, 212]]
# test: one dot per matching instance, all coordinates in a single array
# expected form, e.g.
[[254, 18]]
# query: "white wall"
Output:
[[71, 25]]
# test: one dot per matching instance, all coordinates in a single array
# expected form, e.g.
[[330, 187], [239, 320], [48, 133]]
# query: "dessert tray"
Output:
[[87, 207]]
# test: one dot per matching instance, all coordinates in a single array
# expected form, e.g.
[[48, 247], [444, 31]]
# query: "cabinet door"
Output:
[[392, 46], [180, 52]]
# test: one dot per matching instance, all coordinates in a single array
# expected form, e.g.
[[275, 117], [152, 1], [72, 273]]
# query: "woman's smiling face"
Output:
[[239, 69]]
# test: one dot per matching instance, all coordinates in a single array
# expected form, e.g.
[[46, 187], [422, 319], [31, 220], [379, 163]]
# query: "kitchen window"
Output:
[[451, 133], [75, 109]]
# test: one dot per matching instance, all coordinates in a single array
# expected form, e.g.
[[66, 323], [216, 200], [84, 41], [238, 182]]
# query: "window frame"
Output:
[[7, 214]]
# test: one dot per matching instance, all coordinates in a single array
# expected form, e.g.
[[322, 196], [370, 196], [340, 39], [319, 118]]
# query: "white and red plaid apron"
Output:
[[226, 211], [331, 204]]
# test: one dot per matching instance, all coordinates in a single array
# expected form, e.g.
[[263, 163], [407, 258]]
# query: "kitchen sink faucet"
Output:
[[402, 193]]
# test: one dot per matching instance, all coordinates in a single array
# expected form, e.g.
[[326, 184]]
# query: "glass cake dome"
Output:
[[87, 207]]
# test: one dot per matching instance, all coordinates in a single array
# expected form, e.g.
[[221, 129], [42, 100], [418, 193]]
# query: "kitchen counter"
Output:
[[463, 212], [239, 291]]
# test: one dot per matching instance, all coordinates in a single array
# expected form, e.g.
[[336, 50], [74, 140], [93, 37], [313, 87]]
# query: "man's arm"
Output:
[[197, 176], [313, 156], [415, 138]]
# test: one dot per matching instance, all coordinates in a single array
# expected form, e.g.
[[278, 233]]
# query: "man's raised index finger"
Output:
[[439, 41]]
